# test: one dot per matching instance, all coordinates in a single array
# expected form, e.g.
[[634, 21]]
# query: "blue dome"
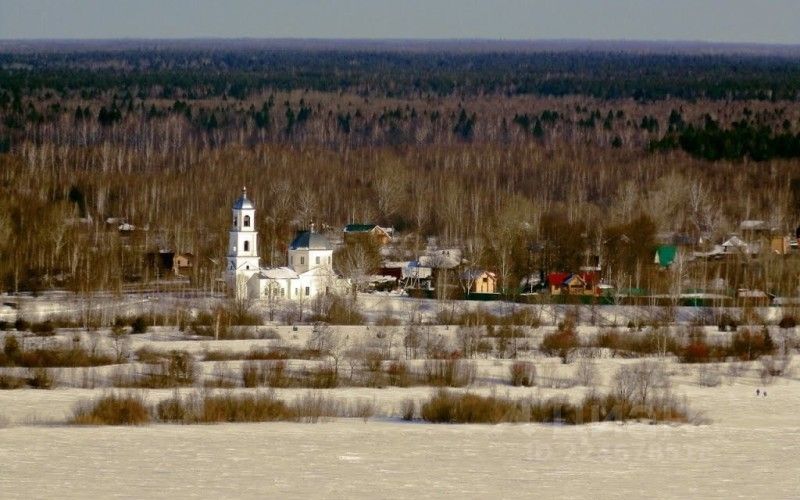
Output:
[[306, 240], [243, 203]]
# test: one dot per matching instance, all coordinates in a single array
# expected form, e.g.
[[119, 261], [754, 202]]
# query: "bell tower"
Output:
[[242, 262]]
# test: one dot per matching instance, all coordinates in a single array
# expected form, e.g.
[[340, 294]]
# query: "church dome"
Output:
[[307, 240], [243, 203]]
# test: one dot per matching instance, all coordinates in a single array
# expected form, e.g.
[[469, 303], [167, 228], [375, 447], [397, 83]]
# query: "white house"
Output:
[[310, 262]]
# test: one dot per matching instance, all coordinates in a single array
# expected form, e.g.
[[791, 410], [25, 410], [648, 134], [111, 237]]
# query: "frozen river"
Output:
[[388, 459]]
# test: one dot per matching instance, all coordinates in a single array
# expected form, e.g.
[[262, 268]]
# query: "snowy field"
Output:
[[748, 446], [749, 449], [746, 453]]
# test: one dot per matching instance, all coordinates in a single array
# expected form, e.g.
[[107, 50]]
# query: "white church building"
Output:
[[310, 262]]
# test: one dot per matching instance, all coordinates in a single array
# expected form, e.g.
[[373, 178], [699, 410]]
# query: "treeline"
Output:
[[199, 73]]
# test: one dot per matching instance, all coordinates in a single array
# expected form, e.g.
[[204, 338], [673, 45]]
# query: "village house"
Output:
[[381, 235], [479, 281], [183, 263], [573, 283]]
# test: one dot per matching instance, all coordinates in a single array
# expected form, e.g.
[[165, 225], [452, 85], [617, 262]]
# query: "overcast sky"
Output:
[[761, 21]]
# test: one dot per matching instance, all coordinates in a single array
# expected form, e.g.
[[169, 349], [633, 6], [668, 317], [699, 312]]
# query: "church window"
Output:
[[302, 260], [308, 291], [247, 267], [317, 259], [246, 246], [235, 221], [246, 221]]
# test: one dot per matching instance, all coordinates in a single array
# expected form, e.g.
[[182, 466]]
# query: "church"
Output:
[[309, 272]]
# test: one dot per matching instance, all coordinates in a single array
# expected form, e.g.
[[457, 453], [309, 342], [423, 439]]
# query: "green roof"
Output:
[[358, 228], [665, 255]]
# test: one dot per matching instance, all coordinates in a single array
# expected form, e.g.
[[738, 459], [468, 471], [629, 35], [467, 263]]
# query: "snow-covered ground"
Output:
[[753, 452], [749, 447]]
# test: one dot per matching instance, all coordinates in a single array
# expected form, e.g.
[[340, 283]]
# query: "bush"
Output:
[[139, 325], [252, 374], [449, 372], [324, 376], [408, 409], [41, 379], [21, 325], [112, 409], [73, 355], [560, 343], [11, 382], [398, 374], [448, 407], [697, 351], [43, 329], [633, 343], [523, 373], [176, 369], [11, 348], [747, 345], [787, 322]]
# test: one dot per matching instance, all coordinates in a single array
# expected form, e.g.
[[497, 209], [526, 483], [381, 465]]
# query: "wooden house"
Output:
[[573, 283], [183, 263], [382, 235], [480, 281]]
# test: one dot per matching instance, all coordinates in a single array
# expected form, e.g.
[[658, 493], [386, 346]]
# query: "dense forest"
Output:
[[495, 152]]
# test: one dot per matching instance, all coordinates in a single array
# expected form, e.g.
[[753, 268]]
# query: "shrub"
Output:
[[448, 407], [11, 348], [325, 376], [449, 372], [43, 329], [697, 351], [41, 379], [398, 374], [228, 407], [21, 325], [747, 345], [252, 375], [787, 322], [148, 355], [560, 343], [363, 409], [139, 325], [312, 407], [11, 382], [408, 409], [57, 356], [523, 373], [243, 408], [112, 409], [176, 369]]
